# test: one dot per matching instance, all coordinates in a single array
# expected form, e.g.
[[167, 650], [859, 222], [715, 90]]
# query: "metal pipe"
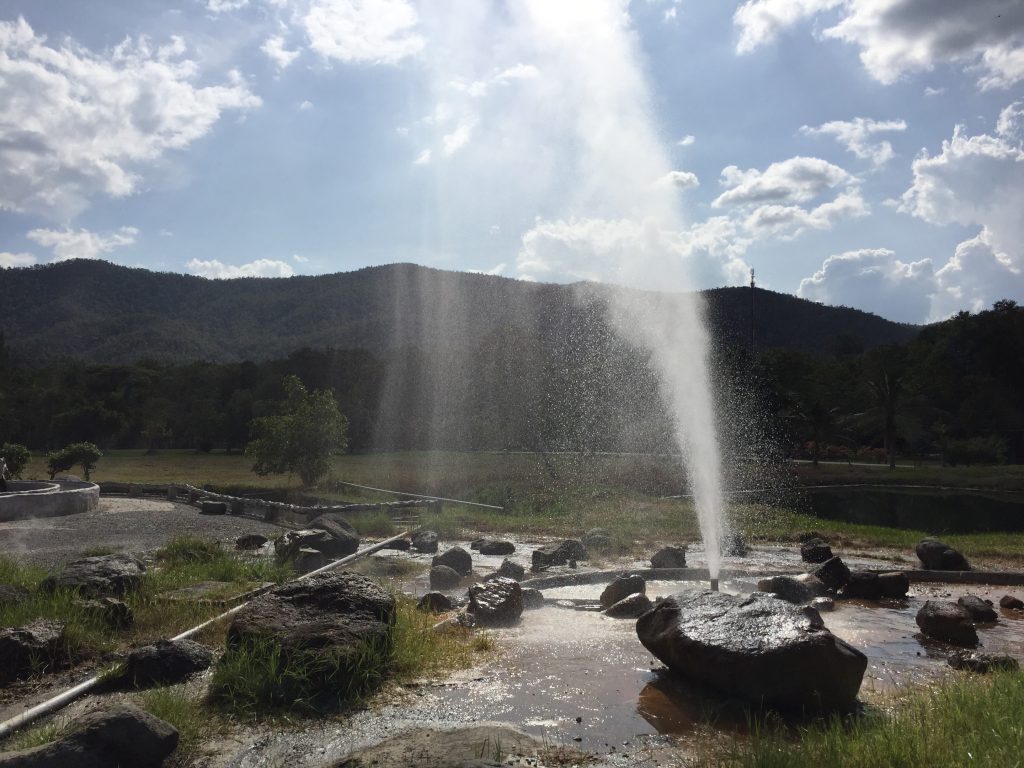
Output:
[[63, 699], [420, 495], [714, 585]]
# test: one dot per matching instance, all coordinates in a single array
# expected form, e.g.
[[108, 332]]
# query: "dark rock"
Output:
[[12, 594], [105, 575], [425, 541], [793, 589], [669, 557], [166, 662], [307, 560], [114, 613], [733, 545], [894, 585], [980, 610], [213, 507], [938, 556], [33, 647], [250, 541], [975, 661], [622, 587], [567, 551], [496, 547], [345, 540], [288, 545], [833, 572], [436, 602], [863, 585], [823, 604], [630, 607], [115, 736], [475, 544], [760, 648], [532, 598], [597, 539], [497, 603], [402, 545], [1011, 602], [947, 621], [815, 551], [511, 570], [443, 577], [456, 558]]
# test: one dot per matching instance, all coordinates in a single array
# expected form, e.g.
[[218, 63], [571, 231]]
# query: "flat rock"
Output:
[[863, 585], [563, 553], [425, 541], [949, 622], [166, 662], [1011, 603], [669, 557], [344, 539], [102, 576], [36, 645], [443, 577], [815, 551], [894, 585], [621, 587], [630, 607], [115, 613], [436, 602], [497, 603], [456, 558], [936, 555], [758, 648], [793, 589], [496, 547], [213, 507], [976, 661], [980, 610], [251, 541], [472, 746], [833, 572]]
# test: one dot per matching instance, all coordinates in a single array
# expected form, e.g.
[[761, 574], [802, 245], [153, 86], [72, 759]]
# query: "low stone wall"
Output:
[[29, 499]]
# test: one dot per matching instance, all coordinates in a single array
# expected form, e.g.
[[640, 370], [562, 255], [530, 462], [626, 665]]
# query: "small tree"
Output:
[[16, 456], [302, 437], [84, 454]]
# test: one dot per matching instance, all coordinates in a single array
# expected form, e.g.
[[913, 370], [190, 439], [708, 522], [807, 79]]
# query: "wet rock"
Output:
[[630, 607], [980, 610], [759, 648], [597, 539], [733, 545], [456, 558], [793, 589], [669, 557], [251, 541], [436, 602], [288, 545], [622, 587], [949, 622], [511, 570], [815, 551], [532, 598], [402, 545], [823, 604], [863, 585], [497, 603], [115, 613], [12, 594], [213, 507], [564, 553], [308, 560], [31, 648], [115, 736], [833, 572], [425, 541], [496, 547], [894, 585], [975, 661], [166, 662], [443, 577], [1011, 602], [102, 576], [938, 556], [475, 544], [344, 539]]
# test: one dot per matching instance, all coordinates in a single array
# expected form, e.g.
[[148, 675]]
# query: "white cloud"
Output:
[[12, 260], [299, 259], [422, 158], [857, 136], [363, 31], [81, 243], [796, 180], [682, 179], [976, 277], [760, 21], [305, 105], [498, 269], [216, 270], [281, 56], [1010, 124], [222, 6], [686, 141], [77, 123], [458, 138], [929, 91], [789, 221], [669, 15]]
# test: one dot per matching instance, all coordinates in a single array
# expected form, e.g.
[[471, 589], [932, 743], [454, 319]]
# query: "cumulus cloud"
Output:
[[275, 49], [682, 179], [423, 158], [686, 141], [857, 136], [217, 270], [11, 260], [760, 21], [222, 6], [299, 259], [77, 123], [796, 180], [81, 243], [790, 221], [362, 31], [457, 139]]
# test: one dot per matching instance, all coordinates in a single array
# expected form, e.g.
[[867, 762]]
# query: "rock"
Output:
[[402, 545], [456, 558], [443, 577], [213, 507], [436, 602], [894, 585], [511, 570], [980, 610], [288, 544], [793, 589], [567, 551], [622, 587], [12, 594], [733, 545], [630, 607], [475, 544], [823, 604], [307, 560], [497, 603], [833, 572], [116, 735], [496, 547], [669, 557], [863, 585], [114, 613], [166, 662], [105, 575], [975, 661], [1011, 602], [759, 648], [532, 598], [597, 539], [947, 621], [425, 541], [250, 541], [938, 556], [34, 647], [344, 539], [815, 551]]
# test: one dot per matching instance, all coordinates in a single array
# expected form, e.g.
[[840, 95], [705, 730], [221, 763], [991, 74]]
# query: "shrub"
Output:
[[84, 454], [976, 450], [16, 456]]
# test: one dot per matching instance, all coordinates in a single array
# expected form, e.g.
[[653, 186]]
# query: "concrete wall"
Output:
[[28, 499]]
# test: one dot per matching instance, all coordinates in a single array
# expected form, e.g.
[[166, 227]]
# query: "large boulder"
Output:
[[345, 539], [563, 553], [894, 585], [630, 607], [456, 558], [597, 539], [102, 576], [165, 662], [980, 610], [669, 557], [511, 570], [115, 736], [425, 541], [287, 545], [793, 589], [1011, 603], [863, 585], [948, 622], [622, 587], [815, 551], [759, 648], [23, 650], [494, 547], [443, 577], [975, 661], [833, 572], [496, 603], [532, 598], [936, 555]]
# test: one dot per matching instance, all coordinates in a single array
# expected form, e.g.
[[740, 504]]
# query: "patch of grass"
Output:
[[374, 524], [183, 710], [189, 549], [36, 736], [389, 567]]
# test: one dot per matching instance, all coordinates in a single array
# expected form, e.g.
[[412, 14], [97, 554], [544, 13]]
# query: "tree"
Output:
[[84, 454], [302, 437], [16, 457]]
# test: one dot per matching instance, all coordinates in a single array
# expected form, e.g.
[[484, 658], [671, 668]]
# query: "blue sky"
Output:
[[859, 152]]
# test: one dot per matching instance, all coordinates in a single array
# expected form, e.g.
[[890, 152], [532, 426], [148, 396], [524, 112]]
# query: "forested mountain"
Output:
[[97, 312]]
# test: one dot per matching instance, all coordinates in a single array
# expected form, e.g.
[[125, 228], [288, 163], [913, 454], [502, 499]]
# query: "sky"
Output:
[[868, 153]]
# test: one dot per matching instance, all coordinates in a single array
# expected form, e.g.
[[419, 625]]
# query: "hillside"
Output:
[[97, 312]]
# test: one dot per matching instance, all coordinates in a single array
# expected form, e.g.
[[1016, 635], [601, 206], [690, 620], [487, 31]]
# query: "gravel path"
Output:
[[137, 526]]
